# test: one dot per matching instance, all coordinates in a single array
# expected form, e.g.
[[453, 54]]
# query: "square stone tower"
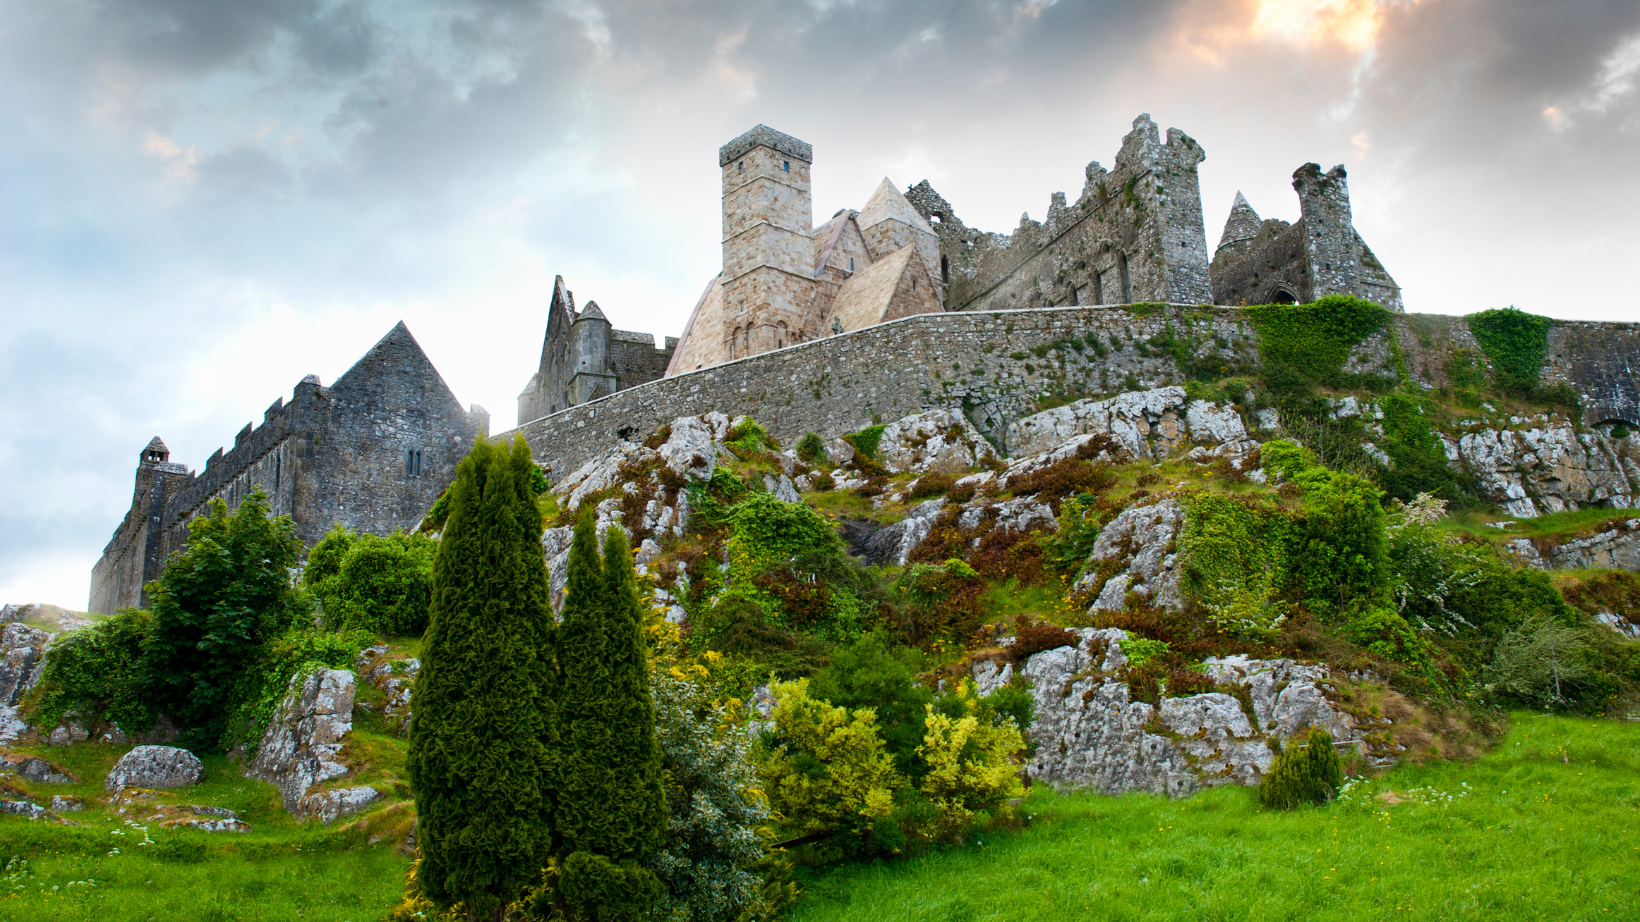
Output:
[[768, 253]]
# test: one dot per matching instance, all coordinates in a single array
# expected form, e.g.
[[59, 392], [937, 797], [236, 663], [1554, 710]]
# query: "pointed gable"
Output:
[[894, 287], [839, 245], [1243, 223], [887, 204], [396, 372]]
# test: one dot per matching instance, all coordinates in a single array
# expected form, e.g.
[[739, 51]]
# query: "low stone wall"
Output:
[[998, 366]]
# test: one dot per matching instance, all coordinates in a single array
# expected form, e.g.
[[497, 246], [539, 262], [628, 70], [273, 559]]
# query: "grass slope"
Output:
[[122, 864], [1546, 826]]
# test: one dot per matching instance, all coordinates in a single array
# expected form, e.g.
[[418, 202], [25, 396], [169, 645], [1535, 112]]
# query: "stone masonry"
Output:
[[584, 357], [371, 452], [1273, 262], [996, 366], [786, 281], [1133, 235]]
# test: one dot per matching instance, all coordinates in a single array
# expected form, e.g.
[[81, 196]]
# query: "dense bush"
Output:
[[1032, 637], [98, 672], [1233, 556], [375, 583], [1545, 663], [866, 440], [1307, 774], [828, 773], [1515, 343], [873, 673], [785, 559], [217, 605], [939, 601]]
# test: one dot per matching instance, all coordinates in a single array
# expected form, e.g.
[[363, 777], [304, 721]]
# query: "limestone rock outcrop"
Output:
[[155, 767], [1137, 550], [1549, 466], [892, 544], [940, 440], [21, 651], [1089, 733], [302, 745], [1145, 424]]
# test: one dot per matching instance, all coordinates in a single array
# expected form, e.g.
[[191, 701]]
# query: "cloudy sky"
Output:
[[202, 202]]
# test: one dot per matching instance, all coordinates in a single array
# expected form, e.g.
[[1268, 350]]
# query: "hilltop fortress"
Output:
[[874, 314]]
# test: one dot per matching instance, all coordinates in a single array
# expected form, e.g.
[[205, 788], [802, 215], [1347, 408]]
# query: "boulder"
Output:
[[1147, 424], [328, 805], [303, 742], [154, 767], [36, 770], [24, 808], [393, 678]]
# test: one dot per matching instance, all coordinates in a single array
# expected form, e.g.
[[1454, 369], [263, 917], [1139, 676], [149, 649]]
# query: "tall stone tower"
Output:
[[768, 254], [1329, 229]]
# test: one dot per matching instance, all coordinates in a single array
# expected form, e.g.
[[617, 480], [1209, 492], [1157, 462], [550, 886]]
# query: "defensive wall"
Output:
[[1000, 365]]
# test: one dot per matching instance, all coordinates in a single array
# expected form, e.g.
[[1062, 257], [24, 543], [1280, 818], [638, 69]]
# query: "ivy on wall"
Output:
[[1515, 342]]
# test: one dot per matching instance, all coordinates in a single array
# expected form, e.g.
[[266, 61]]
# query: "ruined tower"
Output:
[[1264, 262], [583, 357], [1134, 234]]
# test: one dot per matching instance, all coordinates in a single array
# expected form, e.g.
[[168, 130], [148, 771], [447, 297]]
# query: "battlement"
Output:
[[764, 136]]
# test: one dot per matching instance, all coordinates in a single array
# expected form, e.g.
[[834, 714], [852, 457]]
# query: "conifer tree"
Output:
[[482, 739], [611, 804]]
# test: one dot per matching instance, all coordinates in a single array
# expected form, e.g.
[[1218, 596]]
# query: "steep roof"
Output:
[[157, 445], [1243, 223], [888, 204], [592, 312], [864, 299]]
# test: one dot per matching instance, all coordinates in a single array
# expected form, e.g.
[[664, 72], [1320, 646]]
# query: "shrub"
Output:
[[1545, 663], [98, 671], [610, 808], [970, 765], [811, 448], [1233, 555], [383, 584], [941, 600], [786, 557], [746, 438], [1069, 548], [482, 744], [1307, 774], [1515, 342], [1141, 651], [873, 673], [297, 652], [866, 440], [708, 865], [931, 484], [216, 605], [1071, 476], [826, 770], [1034, 637]]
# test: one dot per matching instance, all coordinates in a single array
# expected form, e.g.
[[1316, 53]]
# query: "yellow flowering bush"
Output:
[[970, 760]]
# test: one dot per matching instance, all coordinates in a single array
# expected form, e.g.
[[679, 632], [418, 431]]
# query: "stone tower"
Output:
[[583, 357], [135, 555], [1265, 262], [768, 255]]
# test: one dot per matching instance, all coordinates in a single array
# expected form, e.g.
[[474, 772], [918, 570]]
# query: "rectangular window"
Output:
[[851, 264], [740, 167], [786, 165]]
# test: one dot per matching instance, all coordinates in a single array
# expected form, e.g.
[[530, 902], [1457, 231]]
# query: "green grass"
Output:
[[1530, 837], [282, 869]]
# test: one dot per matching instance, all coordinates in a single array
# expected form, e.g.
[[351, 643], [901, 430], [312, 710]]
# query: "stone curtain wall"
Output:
[[997, 366], [986, 363]]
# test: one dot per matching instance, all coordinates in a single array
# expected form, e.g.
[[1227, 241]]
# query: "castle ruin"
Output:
[[583, 357], [370, 452]]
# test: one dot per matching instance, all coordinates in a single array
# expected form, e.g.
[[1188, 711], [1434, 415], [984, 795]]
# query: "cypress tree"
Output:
[[482, 739], [611, 804]]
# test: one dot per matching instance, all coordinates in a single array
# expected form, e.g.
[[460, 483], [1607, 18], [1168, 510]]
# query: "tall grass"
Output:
[[1546, 826]]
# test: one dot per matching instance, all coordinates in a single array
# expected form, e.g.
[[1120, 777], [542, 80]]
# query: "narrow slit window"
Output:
[[786, 165]]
